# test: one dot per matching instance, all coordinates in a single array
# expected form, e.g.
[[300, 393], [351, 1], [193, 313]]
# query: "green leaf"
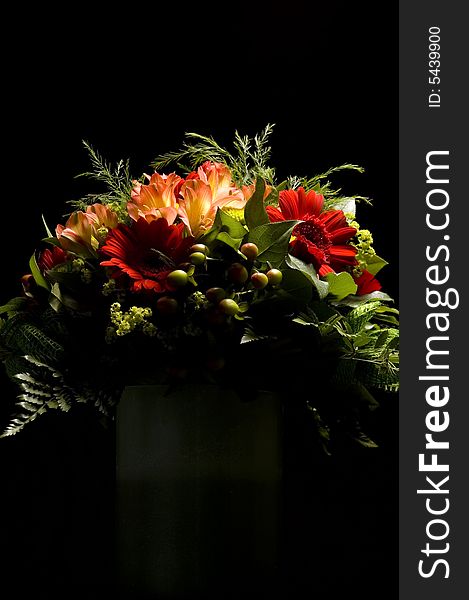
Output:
[[354, 301], [375, 263], [228, 240], [65, 275], [297, 285], [48, 231], [224, 222], [281, 186], [38, 276], [225, 229], [51, 240], [272, 239], [250, 336], [322, 287], [387, 319], [341, 285], [362, 339], [304, 322], [14, 305], [363, 439], [254, 211], [361, 315], [57, 298]]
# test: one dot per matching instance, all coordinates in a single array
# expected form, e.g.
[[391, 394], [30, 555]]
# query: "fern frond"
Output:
[[22, 337], [43, 387]]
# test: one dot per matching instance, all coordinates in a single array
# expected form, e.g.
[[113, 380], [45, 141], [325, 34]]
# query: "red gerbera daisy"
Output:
[[367, 283], [50, 258], [321, 239], [146, 252]]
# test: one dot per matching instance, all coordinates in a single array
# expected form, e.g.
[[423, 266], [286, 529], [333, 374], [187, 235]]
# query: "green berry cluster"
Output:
[[245, 279]]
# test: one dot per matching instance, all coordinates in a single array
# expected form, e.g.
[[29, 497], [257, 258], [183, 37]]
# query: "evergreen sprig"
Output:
[[116, 180], [248, 161], [321, 184]]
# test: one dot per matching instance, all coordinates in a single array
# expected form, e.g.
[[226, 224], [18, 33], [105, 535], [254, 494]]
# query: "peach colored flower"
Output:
[[102, 216], [248, 190], [84, 231], [157, 199], [218, 177], [198, 207]]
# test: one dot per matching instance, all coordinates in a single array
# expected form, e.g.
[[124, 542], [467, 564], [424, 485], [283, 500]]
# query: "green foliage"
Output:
[[308, 271], [333, 198], [297, 286], [44, 388], [371, 347], [14, 306], [254, 211], [375, 263], [323, 431], [303, 329], [340, 285], [21, 336], [354, 301], [36, 272], [247, 162], [225, 230], [116, 181], [272, 239]]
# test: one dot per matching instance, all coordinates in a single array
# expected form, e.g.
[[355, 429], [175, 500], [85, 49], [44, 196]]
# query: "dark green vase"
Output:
[[198, 492]]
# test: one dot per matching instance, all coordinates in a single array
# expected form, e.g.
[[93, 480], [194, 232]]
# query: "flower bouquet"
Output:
[[215, 273]]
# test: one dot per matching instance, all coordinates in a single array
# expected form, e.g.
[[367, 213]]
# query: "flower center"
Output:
[[315, 232], [154, 263]]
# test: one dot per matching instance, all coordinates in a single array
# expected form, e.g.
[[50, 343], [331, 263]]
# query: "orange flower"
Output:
[[248, 191], [203, 192], [84, 231], [218, 177], [197, 208], [157, 199]]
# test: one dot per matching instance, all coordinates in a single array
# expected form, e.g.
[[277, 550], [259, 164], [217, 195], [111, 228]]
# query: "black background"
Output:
[[131, 81]]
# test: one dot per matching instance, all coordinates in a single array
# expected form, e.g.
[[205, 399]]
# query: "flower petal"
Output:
[[310, 203], [334, 219], [288, 203], [342, 234], [274, 214], [367, 283]]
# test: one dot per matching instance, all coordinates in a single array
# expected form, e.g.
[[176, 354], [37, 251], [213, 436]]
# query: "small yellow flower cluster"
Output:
[[126, 322], [78, 266], [109, 287], [364, 246], [197, 301]]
